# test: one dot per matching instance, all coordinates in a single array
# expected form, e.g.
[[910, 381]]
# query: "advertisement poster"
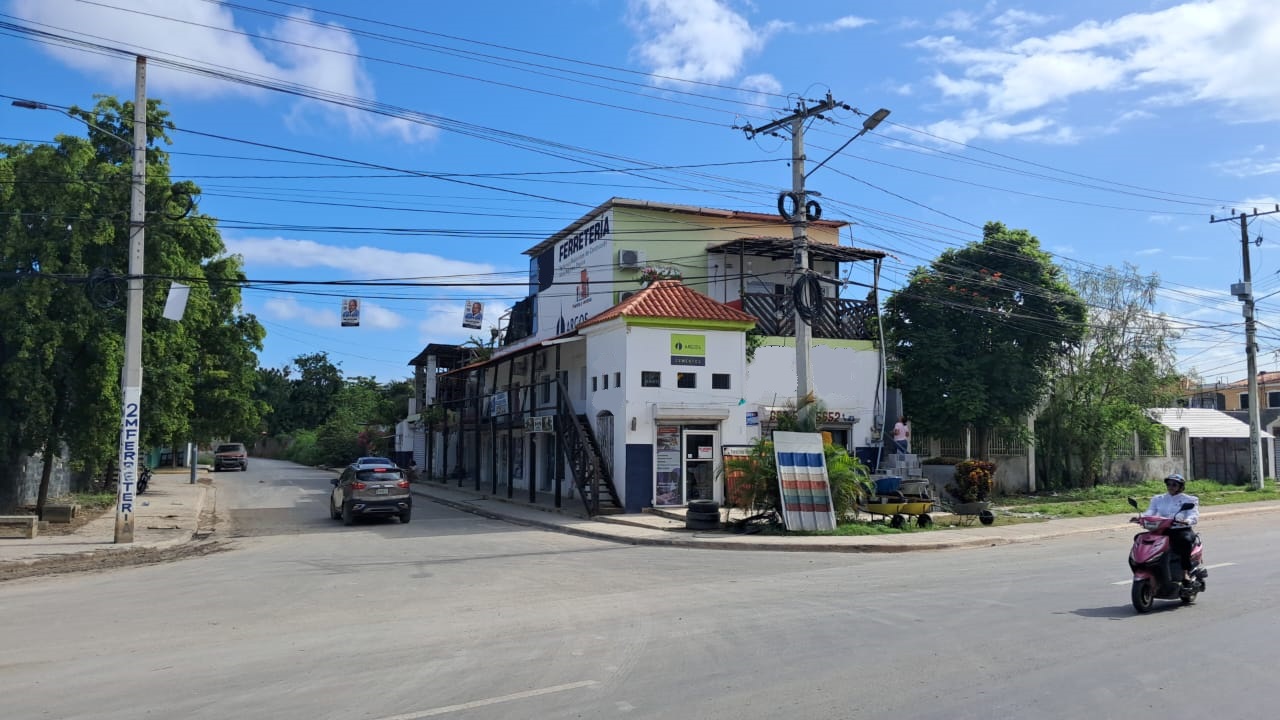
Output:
[[473, 314], [667, 466], [351, 312]]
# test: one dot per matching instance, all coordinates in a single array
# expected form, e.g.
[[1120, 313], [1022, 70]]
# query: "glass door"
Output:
[[699, 464]]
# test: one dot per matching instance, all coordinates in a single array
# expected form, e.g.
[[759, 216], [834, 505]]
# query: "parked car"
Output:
[[231, 455], [370, 489]]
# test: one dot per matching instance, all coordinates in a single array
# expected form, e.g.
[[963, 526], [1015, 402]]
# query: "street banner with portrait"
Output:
[[351, 312], [473, 315]]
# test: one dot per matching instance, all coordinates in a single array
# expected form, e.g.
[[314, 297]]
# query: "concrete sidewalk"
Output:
[[653, 529], [168, 515]]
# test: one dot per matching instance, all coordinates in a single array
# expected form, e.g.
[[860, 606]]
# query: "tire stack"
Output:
[[702, 515]]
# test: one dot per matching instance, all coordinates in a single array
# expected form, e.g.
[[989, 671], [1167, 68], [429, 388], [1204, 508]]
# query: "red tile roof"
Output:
[[671, 300]]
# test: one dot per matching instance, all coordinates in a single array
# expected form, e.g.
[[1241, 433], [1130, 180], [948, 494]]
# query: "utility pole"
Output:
[[803, 212], [798, 216], [131, 374], [1244, 292]]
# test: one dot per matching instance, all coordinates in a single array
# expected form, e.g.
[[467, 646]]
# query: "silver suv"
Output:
[[370, 489]]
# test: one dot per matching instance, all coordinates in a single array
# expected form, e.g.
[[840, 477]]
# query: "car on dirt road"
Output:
[[370, 489], [230, 456]]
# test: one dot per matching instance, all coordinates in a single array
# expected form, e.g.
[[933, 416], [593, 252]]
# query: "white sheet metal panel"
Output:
[[1203, 422], [802, 476]]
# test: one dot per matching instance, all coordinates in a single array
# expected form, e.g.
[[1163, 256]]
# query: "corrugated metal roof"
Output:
[[1202, 422]]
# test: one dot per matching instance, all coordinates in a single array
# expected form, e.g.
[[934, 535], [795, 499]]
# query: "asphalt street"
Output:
[[461, 616]]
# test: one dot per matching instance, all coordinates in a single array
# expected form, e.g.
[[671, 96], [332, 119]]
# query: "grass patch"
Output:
[[88, 500], [1111, 499]]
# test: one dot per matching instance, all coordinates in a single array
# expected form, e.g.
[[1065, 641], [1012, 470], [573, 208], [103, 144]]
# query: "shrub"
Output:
[[973, 480]]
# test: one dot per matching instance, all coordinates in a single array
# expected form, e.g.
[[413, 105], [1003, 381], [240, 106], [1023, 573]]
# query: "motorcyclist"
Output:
[[1170, 505]]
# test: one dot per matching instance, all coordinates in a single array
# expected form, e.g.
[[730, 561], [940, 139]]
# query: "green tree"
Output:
[[976, 337], [313, 395], [64, 224], [1124, 365]]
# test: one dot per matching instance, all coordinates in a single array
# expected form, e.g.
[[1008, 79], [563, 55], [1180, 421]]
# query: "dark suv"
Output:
[[230, 455], [370, 489]]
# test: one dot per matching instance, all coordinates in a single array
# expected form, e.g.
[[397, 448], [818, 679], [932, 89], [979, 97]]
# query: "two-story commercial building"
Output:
[[655, 340]]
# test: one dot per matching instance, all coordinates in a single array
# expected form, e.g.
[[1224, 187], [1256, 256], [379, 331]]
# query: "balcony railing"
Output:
[[840, 318]]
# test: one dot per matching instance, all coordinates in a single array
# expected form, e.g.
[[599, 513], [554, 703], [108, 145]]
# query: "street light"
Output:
[[131, 374], [868, 125]]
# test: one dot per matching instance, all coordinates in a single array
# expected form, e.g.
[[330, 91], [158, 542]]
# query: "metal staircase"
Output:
[[580, 451]]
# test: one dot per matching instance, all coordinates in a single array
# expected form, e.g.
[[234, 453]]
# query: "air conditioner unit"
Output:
[[630, 259]]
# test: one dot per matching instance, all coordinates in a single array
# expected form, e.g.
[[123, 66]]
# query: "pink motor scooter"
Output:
[[1157, 569]]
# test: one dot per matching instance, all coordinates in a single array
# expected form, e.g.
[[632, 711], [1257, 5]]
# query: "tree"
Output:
[[976, 337], [313, 395], [64, 228], [1124, 365]]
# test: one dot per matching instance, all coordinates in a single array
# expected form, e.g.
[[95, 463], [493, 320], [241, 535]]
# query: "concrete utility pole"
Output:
[[131, 375], [802, 212], [1244, 292]]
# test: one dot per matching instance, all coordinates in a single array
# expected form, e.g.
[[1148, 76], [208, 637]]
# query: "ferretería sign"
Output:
[[582, 242]]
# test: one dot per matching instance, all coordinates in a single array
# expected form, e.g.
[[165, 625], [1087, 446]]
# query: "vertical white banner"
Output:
[[130, 456]]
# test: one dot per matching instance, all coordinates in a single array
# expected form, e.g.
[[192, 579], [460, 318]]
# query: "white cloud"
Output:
[[1250, 167], [358, 262], [1218, 51], [848, 22], [1160, 219], [700, 40], [957, 20], [1148, 251], [207, 35]]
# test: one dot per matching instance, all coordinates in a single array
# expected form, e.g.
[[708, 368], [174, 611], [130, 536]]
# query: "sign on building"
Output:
[[688, 349]]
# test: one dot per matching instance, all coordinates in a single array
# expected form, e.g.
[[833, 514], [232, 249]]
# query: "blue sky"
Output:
[[1111, 130]]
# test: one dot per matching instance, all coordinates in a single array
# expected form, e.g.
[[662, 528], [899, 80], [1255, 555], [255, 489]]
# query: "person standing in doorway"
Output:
[[901, 435]]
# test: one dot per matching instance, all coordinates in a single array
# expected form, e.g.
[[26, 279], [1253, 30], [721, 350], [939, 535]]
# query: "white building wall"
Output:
[[845, 378]]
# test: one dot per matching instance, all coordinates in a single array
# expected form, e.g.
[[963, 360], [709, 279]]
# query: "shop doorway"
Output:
[[699, 451]]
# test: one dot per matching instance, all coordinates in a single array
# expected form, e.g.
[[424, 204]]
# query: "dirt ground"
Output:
[[201, 544]]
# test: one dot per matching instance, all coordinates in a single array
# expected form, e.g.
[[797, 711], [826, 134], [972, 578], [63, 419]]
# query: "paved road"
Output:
[[458, 616]]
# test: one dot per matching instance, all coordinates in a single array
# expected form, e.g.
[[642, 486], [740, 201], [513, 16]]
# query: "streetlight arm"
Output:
[[867, 125]]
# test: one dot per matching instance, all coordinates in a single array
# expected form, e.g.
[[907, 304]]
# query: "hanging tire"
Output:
[[986, 517], [1143, 595]]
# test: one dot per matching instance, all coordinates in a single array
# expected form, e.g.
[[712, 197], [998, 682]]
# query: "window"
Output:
[[595, 383], [1273, 399], [686, 380], [720, 381], [617, 379], [1244, 401], [650, 378], [604, 380], [546, 388]]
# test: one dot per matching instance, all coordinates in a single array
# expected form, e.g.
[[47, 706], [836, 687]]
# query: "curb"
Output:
[[884, 547]]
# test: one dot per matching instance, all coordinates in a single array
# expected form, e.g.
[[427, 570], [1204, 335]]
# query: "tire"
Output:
[[898, 522], [1189, 598], [404, 517], [703, 516], [924, 521], [986, 517], [693, 524], [704, 506], [1143, 595], [348, 517], [244, 467], [334, 513]]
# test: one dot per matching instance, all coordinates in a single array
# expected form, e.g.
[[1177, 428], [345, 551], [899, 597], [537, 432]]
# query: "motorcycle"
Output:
[[144, 478], [1157, 570]]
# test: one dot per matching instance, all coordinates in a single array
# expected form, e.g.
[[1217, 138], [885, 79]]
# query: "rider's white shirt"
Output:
[[1167, 505]]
